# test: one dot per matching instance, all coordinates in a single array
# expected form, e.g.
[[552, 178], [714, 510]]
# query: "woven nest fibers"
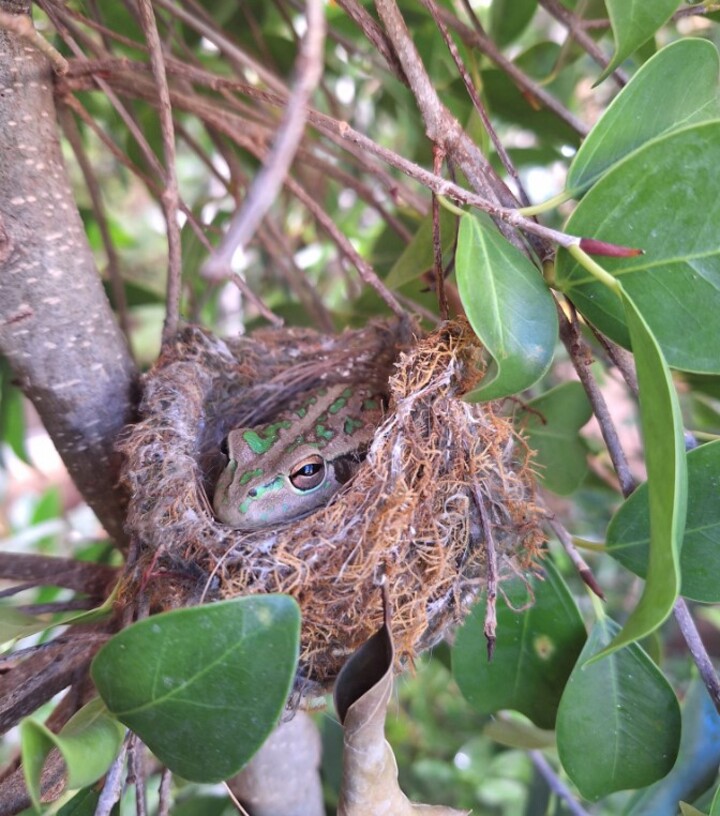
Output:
[[445, 487]]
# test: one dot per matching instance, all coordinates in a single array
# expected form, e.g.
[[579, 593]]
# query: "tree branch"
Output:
[[56, 327]]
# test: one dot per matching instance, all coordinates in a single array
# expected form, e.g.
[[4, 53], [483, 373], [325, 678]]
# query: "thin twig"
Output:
[[477, 38], [170, 197], [137, 774], [581, 357], [203, 23], [697, 650], [579, 562], [438, 158], [367, 273], [699, 9], [621, 358], [491, 578], [72, 133], [21, 25], [267, 183], [584, 40], [440, 125], [477, 102], [556, 784], [112, 786], [164, 798]]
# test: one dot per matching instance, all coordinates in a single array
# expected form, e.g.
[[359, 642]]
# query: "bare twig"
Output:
[[113, 781], [72, 133], [267, 183], [203, 24], [441, 126], [491, 580], [699, 9], [170, 197], [697, 650], [367, 273], [164, 799], [556, 784], [21, 25], [581, 357], [579, 562], [477, 38], [477, 102], [577, 31], [438, 157]]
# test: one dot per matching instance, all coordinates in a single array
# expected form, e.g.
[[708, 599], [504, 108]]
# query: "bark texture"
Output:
[[56, 326]]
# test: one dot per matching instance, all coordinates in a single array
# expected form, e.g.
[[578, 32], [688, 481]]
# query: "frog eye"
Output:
[[308, 473]]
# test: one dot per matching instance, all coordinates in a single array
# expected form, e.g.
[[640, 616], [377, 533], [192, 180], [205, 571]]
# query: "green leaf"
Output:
[[689, 810], [417, 257], [618, 725], [667, 481], [84, 803], [517, 733], [662, 198], [508, 19], [634, 22], [12, 420], [215, 676], [551, 426], [88, 743], [697, 761], [16, 625], [715, 808], [628, 536], [508, 306], [684, 75], [535, 650]]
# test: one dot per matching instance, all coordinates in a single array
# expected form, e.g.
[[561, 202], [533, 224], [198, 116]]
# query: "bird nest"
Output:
[[444, 495]]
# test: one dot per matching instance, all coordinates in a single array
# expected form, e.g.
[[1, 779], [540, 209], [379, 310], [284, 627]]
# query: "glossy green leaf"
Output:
[[12, 420], [508, 19], [684, 75], [535, 650], [417, 257], [215, 676], [84, 803], [517, 733], [88, 743], [667, 481], [715, 808], [508, 306], [618, 725], [697, 762], [15, 624], [662, 198], [689, 810], [552, 427], [628, 536], [634, 22]]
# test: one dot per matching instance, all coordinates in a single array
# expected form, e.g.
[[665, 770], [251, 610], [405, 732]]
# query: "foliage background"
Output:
[[225, 61]]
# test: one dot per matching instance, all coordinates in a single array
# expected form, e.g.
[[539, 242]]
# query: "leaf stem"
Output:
[[594, 268]]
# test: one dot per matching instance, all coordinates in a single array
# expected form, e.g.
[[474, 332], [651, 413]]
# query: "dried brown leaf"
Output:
[[370, 776]]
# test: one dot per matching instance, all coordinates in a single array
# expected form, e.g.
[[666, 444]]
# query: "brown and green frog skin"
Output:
[[292, 466]]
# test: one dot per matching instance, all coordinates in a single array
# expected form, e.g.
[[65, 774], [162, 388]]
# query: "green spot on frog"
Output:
[[351, 425], [276, 484], [370, 405], [324, 433], [341, 401], [264, 440], [249, 475]]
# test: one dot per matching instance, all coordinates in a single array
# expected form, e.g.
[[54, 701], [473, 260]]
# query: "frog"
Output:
[[288, 468]]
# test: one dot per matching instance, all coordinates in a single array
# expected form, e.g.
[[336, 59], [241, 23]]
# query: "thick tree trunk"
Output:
[[56, 326]]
